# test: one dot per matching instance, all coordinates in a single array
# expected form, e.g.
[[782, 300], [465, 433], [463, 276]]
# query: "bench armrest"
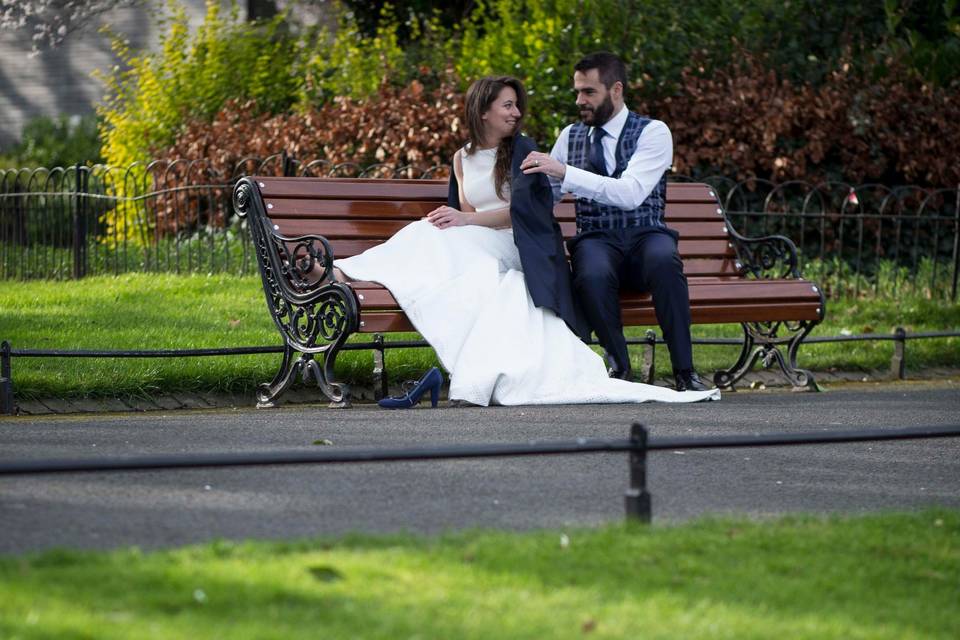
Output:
[[766, 257], [295, 260], [308, 307], [290, 260]]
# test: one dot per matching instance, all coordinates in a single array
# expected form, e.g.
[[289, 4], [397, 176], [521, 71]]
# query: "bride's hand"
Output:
[[443, 217]]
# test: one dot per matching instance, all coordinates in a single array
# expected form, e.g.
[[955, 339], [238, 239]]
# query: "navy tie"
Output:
[[596, 152]]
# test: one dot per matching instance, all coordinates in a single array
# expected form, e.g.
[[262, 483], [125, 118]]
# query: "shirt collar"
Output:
[[614, 125]]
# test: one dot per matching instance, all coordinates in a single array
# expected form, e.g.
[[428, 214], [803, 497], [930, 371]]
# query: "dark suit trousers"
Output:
[[644, 259]]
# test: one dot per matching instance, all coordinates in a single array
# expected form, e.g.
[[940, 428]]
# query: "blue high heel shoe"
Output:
[[431, 381]]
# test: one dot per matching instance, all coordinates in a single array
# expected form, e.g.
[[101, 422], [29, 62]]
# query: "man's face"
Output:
[[594, 101]]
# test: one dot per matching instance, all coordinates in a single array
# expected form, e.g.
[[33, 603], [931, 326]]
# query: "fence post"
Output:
[[637, 498], [956, 244], [898, 364], [7, 404], [647, 364], [289, 165], [79, 224], [379, 369]]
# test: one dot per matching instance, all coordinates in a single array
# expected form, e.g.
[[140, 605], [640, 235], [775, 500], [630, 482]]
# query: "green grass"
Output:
[[154, 311], [893, 576]]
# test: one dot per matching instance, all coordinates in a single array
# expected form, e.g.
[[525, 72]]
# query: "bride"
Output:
[[458, 276]]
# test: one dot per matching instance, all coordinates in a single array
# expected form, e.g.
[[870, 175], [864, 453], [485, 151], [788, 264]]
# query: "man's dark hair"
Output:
[[608, 65]]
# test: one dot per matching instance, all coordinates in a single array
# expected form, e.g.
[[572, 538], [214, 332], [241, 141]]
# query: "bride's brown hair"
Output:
[[480, 97]]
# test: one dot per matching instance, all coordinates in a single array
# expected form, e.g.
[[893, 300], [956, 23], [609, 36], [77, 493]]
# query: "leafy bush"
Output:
[[57, 142], [410, 125], [750, 121], [925, 36], [355, 64], [540, 40], [192, 76]]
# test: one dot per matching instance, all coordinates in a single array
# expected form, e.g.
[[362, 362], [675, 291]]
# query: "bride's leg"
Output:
[[316, 274]]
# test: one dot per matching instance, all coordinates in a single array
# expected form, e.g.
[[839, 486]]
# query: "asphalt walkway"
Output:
[[167, 508]]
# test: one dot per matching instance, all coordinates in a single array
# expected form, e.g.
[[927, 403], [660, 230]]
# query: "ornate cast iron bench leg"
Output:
[[305, 366], [760, 342], [268, 392]]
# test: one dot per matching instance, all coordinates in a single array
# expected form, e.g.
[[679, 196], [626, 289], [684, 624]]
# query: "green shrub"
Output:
[[540, 40], [352, 63], [924, 34], [56, 142], [193, 75]]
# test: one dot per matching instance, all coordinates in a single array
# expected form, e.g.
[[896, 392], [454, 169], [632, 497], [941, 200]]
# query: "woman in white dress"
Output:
[[457, 275]]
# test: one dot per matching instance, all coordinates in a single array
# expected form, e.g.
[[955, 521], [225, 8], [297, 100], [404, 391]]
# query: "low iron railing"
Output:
[[638, 501], [176, 216], [379, 346]]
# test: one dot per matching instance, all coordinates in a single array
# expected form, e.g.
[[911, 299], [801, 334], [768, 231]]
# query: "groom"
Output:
[[614, 162]]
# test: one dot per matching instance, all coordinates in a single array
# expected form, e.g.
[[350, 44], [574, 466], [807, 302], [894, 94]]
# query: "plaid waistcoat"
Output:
[[591, 215]]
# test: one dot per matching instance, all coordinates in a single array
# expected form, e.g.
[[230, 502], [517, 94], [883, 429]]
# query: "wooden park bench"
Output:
[[298, 222]]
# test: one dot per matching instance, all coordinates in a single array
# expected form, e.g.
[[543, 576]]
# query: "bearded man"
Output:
[[614, 162]]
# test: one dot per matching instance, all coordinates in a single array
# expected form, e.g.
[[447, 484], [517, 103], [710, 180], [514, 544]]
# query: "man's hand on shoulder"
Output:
[[539, 162]]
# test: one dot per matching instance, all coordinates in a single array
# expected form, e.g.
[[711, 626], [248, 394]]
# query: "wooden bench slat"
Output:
[[381, 229], [325, 188], [342, 229], [333, 208], [339, 208], [693, 266], [710, 267], [689, 249], [704, 292], [366, 189], [715, 229], [674, 211], [382, 322], [724, 313]]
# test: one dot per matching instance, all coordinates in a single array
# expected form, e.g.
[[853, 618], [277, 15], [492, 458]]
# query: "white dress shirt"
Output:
[[653, 156]]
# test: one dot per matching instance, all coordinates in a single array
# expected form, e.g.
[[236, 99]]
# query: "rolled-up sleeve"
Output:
[[652, 157], [559, 153]]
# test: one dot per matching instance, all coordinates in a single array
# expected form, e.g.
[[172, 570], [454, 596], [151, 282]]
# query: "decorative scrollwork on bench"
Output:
[[767, 257], [762, 342]]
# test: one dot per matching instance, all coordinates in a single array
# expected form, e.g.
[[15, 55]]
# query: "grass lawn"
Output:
[[893, 576], [155, 311]]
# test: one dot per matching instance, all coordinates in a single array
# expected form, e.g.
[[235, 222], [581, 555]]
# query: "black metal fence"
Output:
[[176, 216], [637, 499]]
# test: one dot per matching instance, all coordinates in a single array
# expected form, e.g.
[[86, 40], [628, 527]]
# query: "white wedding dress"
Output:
[[463, 289]]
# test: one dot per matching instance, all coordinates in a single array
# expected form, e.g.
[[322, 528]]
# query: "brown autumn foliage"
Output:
[[402, 126], [408, 126], [746, 121]]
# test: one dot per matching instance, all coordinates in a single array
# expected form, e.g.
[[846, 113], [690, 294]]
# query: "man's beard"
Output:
[[600, 115]]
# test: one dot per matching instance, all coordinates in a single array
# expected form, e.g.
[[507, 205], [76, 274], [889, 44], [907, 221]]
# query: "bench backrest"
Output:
[[356, 214]]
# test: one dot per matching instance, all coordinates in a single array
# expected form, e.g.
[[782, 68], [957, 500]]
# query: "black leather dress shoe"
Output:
[[614, 371], [689, 381], [622, 375]]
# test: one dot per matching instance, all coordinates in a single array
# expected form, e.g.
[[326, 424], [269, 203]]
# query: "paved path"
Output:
[[165, 508]]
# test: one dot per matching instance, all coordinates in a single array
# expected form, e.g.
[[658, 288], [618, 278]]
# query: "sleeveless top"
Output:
[[592, 215], [477, 185]]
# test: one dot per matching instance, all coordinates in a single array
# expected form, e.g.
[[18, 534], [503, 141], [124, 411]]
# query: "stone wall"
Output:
[[59, 81]]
